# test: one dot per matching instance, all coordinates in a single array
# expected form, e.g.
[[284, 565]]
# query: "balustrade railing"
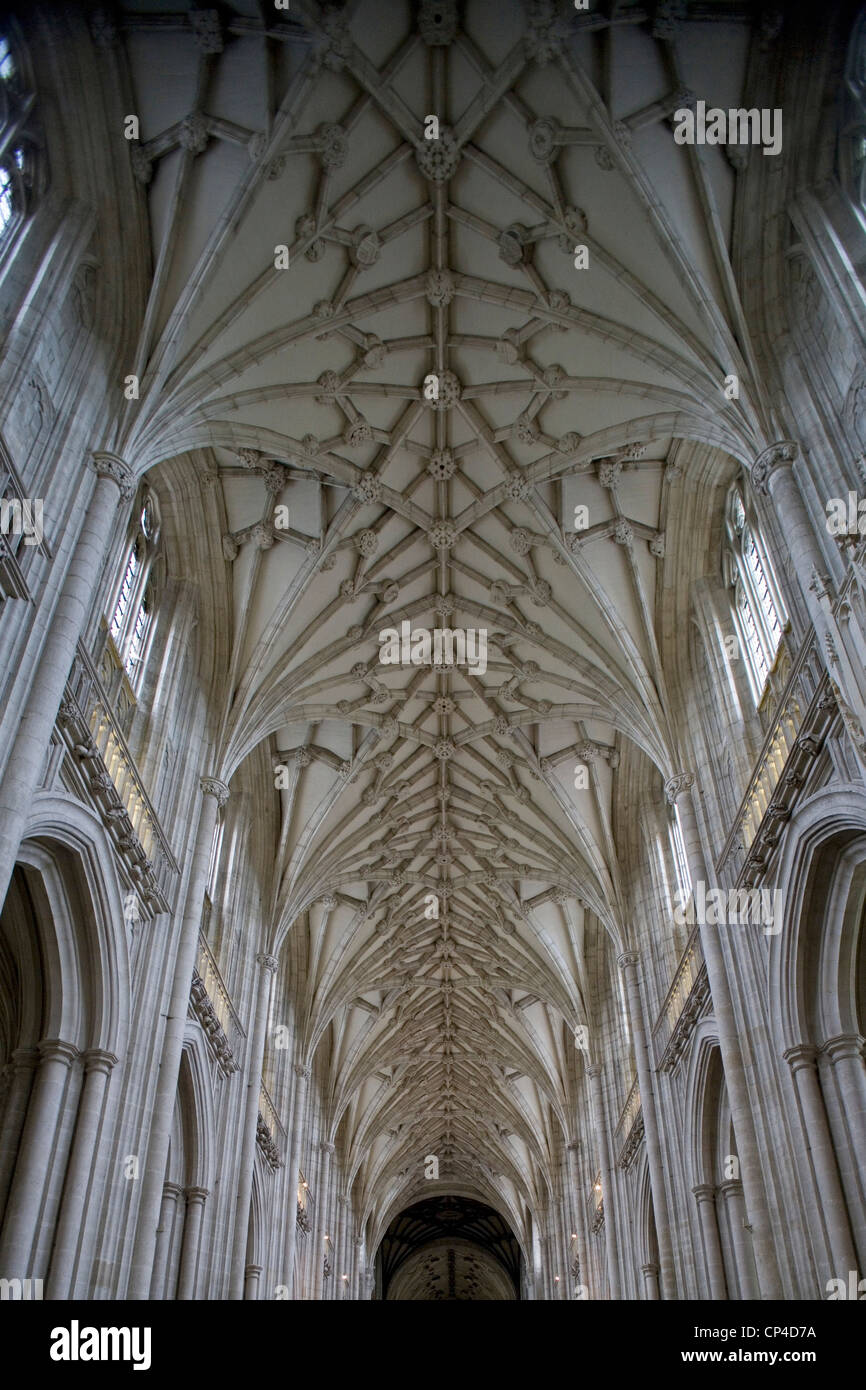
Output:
[[270, 1116], [595, 1203], [779, 743], [627, 1120], [685, 978], [270, 1134], [100, 745], [220, 999], [303, 1195]]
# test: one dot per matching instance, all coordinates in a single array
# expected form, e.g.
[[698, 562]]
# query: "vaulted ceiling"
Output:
[[557, 387]]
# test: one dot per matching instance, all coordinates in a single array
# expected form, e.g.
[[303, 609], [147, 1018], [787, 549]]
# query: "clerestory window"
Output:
[[19, 139], [755, 598], [134, 603], [852, 148]]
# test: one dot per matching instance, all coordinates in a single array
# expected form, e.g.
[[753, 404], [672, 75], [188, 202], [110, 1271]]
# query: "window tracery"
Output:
[[19, 141], [134, 605], [755, 598], [852, 150]]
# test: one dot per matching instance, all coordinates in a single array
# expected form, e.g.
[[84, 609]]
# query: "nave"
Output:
[[432, 706]]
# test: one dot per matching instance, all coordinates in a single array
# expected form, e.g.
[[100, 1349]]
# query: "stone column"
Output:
[[706, 1199], [326, 1150], [267, 967], [302, 1077], [678, 790], [357, 1267], [170, 1193], [23, 1064], [555, 1252], [329, 1286], [650, 1274], [732, 1192], [214, 795], [341, 1208], [564, 1228], [772, 474], [547, 1253], [578, 1204], [627, 963], [252, 1274], [29, 748], [593, 1071], [816, 1133], [26, 1194], [195, 1200], [678, 793], [845, 1056], [285, 1198], [72, 1229]]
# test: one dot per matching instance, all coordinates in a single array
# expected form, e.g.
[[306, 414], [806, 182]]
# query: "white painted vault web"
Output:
[[559, 387]]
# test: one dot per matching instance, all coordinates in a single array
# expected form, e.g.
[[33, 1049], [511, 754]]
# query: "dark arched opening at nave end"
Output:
[[448, 1248]]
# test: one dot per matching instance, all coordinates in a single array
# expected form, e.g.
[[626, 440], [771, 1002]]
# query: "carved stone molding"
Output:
[[112, 466], [212, 786], [266, 1144], [632, 1144], [801, 1055], [779, 455], [677, 785], [215, 1035]]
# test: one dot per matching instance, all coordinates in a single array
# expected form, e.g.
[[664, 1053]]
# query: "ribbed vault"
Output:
[[442, 862]]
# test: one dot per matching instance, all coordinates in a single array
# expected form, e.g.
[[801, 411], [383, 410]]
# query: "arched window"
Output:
[[19, 140], [135, 598], [757, 605], [852, 149]]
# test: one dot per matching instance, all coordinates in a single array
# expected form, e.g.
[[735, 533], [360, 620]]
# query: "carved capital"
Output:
[[24, 1059], [212, 786], [113, 467], [778, 455], [732, 1188], [802, 1055], [328, 1148], [676, 785], [302, 1072], [56, 1050], [845, 1047], [95, 1059], [268, 963], [627, 958], [704, 1192]]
